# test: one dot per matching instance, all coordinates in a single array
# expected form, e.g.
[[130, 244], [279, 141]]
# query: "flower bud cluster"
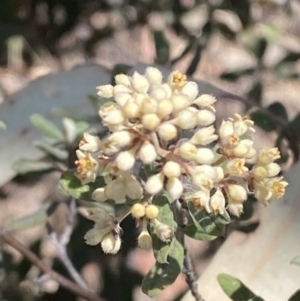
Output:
[[266, 183], [148, 119]]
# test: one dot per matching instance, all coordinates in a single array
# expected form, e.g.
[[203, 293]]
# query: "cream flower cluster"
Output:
[[169, 126]]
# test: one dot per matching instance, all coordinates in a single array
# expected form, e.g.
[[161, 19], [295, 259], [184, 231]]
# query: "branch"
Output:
[[191, 278], [62, 242], [64, 282], [188, 269]]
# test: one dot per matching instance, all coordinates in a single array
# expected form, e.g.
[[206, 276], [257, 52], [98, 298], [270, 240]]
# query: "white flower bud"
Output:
[[150, 121], [267, 156], [167, 131], [190, 89], [125, 160], [131, 110], [155, 183], [122, 98], [236, 193], [204, 136], [205, 100], [147, 152], [259, 172], [186, 120], [204, 156], [205, 117], [172, 169], [154, 76], [111, 243], [111, 115], [121, 89], [174, 188], [145, 240], [235, 208], [217, 202], [244, 149], [158, 93], [152, 212], [179, 102], [138, 211], [273, 169], [99, 195], [219, 174], [119, 139], [187, 150], [140, 83], [122, 79], [149, 105], [165, 108], [226, 130], [105, 91]]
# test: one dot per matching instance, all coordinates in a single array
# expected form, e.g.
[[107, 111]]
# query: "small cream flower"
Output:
[[204, 136], [236, 193], [90, 143], [268, 156], [87, 167], [217, 202]]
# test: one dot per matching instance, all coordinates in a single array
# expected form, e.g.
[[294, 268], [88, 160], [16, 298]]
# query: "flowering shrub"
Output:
[[163, 154]]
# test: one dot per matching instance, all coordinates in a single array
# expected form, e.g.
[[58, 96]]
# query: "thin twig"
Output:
[[188, 269], [64, 282], [191, 278], [62, 242]]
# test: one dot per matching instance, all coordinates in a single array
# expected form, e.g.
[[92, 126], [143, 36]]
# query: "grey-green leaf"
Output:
[[23, 166], [162, 275], [47, 127], [296, 261], [70, 129], [235, 289], [72, 185], [53, 151], [31, 220]]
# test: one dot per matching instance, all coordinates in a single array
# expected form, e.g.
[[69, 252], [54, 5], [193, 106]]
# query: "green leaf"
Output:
[[31, 220], [205, 226], [165, 214], [235, 289], [295, 296], [64, 113], [70, 129], [279, 110], [236, 74], [164, 274], [264, 121], [23, 166], [2, 125], [195, 60], [53, 151], [72, 185], [162, 47], [46, 127], [296, 261]]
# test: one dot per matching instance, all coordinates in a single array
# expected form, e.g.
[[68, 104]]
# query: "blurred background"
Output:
[[250, 48]]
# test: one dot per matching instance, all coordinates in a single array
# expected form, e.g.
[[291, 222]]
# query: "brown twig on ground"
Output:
[[64, 282]]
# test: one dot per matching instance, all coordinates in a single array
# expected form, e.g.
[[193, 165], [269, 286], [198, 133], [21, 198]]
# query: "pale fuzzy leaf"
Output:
[[23, 166]]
